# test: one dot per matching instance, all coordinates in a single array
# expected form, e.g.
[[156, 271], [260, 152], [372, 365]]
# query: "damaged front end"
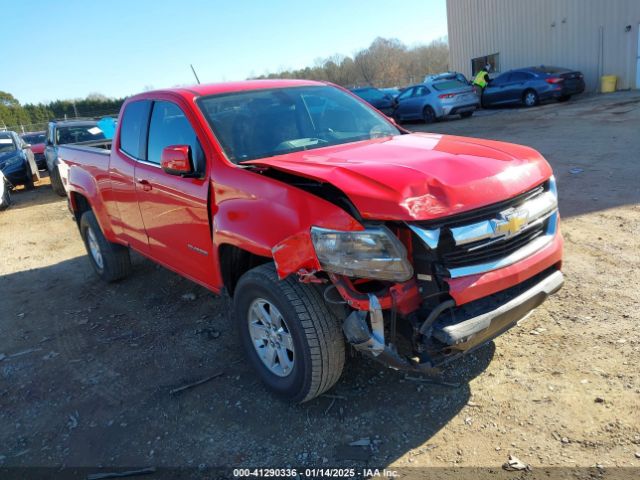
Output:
[[417, 296]]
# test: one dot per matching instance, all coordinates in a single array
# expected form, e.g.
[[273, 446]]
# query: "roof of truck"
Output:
[[229, 87]]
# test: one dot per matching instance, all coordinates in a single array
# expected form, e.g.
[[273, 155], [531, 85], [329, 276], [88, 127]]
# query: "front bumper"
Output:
[[454, 331], [475, 331]]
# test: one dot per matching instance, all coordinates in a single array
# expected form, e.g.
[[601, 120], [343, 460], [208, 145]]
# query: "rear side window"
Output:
[[133, 130], [169, 126]]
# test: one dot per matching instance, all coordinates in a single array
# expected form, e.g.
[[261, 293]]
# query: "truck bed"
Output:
[[88, 155]]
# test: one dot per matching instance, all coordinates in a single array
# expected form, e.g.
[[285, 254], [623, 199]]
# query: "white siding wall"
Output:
[[522, 32]]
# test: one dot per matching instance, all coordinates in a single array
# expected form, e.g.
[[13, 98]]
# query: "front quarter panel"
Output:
[[271, 218]]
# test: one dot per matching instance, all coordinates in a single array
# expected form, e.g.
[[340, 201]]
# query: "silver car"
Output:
[[436, 99]]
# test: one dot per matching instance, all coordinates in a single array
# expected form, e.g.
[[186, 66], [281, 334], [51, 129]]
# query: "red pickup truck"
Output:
[[327, 224]]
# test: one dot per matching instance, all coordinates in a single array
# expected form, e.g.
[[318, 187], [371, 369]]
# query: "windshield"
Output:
[[34, 138], [264, 123], [6, 143], [78, 133], [449, 85]]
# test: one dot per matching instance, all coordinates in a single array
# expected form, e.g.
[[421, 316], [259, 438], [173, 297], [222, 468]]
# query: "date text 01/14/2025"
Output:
[[313, 472]]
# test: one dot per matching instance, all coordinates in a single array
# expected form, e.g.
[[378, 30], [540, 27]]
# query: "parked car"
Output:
[[435, 100], [5, 192], [327, 227], [16, 160], [532, 85], [446, 76], [377, 98], [85, 132], [36, 140], [393, 92]]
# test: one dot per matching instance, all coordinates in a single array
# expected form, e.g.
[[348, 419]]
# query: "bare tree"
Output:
[[386, 62]]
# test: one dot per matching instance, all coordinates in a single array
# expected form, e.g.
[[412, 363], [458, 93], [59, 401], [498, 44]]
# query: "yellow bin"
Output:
[[608, 83]]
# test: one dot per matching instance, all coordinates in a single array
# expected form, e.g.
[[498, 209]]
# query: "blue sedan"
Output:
[[532, 85]]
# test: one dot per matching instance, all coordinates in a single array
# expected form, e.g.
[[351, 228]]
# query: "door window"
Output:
[[405, 94], [133, 130], [420, 91], [519, 77], [169, 126]]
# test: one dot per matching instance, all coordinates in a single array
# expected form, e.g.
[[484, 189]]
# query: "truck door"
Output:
[[130, 149], [174, 209]]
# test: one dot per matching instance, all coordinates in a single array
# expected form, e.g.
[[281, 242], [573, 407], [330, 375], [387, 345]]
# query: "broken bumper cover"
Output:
[[449, 341], [470, 334]]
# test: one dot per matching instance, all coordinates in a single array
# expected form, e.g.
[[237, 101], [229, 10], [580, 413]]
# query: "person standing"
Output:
[[481, 80]]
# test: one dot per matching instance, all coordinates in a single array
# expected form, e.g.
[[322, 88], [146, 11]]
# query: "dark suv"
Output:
[[63, 132]]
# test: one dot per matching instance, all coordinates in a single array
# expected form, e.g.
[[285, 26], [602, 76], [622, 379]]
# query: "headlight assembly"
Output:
[[372, 253]]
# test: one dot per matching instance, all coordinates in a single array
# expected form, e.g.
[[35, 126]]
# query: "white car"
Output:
[[5, 192]]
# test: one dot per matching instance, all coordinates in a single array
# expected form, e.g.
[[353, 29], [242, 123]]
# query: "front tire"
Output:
[[110, 261], [32, 174], [56, 182], [291, 338]]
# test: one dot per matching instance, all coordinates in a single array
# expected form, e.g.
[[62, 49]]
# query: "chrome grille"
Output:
[[492, 237]]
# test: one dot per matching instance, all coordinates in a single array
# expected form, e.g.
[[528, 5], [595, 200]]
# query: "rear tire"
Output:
[[466, 114], [428, 115], [530, 98], [110, 261], [56, 182], [264, 307]]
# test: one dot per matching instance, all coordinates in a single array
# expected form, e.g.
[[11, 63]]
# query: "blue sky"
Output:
[[68, 49]]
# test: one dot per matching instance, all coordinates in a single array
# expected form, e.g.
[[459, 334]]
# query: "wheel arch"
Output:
[[235, 262]]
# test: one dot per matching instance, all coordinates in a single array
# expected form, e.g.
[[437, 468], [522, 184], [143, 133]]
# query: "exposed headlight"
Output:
[[372, 253]]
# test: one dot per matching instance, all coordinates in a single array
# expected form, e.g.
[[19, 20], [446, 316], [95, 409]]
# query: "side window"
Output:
[[420, 91], [50, 135], [406, 94], [133, 130], [519, 77], [169, 126]]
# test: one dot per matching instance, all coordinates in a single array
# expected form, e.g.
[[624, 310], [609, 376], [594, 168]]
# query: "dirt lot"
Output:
[[86, 369]]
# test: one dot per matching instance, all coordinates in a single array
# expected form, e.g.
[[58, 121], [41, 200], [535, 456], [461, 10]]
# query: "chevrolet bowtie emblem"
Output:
[[510, 222]]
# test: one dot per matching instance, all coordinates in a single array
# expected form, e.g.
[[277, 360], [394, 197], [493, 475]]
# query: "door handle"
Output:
[[146, 186]]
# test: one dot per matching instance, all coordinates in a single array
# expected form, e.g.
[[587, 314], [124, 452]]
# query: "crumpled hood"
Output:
[[419, 176], [5, 156]]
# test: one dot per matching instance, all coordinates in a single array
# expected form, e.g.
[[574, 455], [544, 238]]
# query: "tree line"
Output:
[[15, 116], [385, 63]]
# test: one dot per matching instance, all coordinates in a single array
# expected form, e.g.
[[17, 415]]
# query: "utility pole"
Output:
[[75, 110]]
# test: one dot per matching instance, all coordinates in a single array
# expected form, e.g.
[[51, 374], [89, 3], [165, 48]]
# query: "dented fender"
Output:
[[270, 218]]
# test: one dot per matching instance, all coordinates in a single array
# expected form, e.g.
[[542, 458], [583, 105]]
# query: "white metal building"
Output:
[[597, 37]]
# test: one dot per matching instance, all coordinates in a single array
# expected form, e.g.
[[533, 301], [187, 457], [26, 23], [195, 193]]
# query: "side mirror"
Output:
[[26, 145], [176, 160]]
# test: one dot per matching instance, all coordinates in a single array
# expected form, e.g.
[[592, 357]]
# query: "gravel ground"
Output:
[[86, 368]]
